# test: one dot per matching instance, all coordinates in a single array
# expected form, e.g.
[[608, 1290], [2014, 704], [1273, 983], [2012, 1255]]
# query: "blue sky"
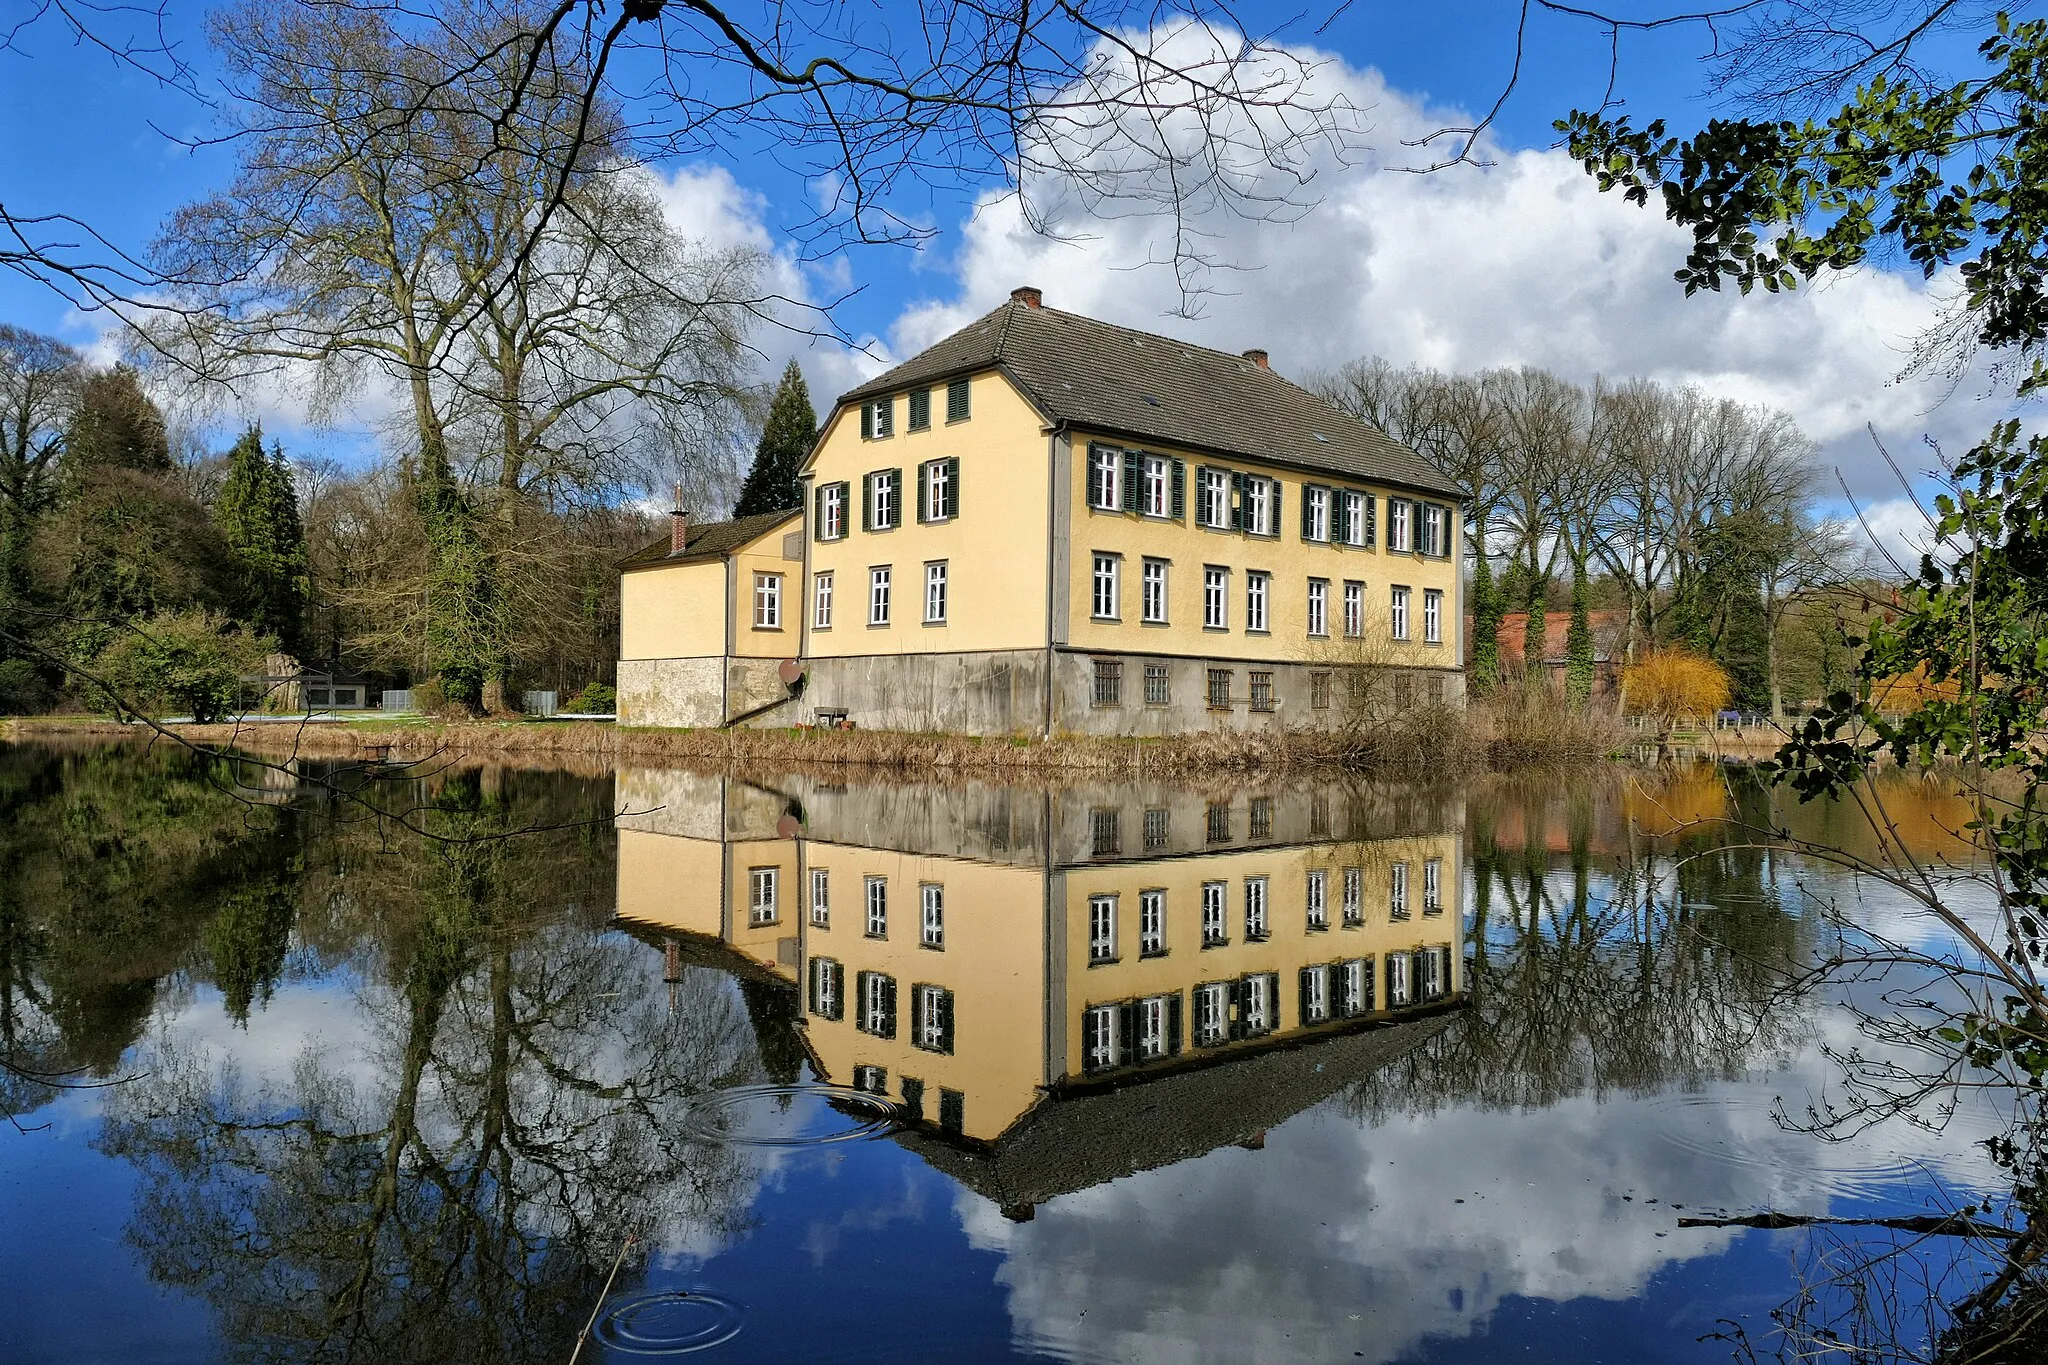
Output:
[[1522, 263]]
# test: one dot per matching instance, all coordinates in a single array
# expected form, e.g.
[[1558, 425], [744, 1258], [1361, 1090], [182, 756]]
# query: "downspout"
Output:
[[1056, 525], [732, 574]]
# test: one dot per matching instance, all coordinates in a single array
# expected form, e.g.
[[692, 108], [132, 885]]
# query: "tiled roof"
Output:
[[712, 540], [1099, 377]]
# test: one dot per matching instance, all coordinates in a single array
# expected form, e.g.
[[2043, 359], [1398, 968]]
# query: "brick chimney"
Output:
[[678, 524], [1258, 358], [1029, 297]]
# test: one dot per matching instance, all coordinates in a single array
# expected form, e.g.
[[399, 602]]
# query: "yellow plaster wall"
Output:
[[672, 612], [1289, 946], [995, 549], [1291, 560], [764, 555], [993, 962], [670, 882]]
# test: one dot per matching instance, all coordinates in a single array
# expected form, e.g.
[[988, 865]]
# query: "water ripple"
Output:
[[673, 1323], [789, 1115]]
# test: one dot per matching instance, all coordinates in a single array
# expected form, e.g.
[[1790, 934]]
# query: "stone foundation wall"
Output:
[[1006, 693]]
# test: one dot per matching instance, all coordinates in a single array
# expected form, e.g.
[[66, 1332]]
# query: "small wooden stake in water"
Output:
[[602, 1295]]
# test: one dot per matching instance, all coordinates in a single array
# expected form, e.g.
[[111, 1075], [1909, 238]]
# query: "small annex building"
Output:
[[1049, 524]]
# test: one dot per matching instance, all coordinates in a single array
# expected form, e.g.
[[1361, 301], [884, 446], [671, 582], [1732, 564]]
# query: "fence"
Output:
[[397, 699], [539, 703]]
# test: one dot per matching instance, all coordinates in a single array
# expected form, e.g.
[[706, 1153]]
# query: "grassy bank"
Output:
[[1508, 731]]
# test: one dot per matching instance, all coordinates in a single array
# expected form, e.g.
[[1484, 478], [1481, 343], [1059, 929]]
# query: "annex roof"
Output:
[[712, 540], [1098, 377]]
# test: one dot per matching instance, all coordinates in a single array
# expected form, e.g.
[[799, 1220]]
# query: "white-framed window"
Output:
[[1319, 606], [1101, 1046], [1106, 478], [825, 978], [768, 601], [1215, 598], [1212, 1014], [1214, 898], [1258, 1004], [1357, 993], [1318, 899], [934, 1006], [938, 490], [1397, 890], [1436, 971], [1315, 513], [1400, 980], [878, 595], [1354, 609], [821, 600], [1155, 494], [1108, 569], [1400, 525], [935, 593], [832, 512], [1102, 928], [1436, 530], [1151, 916], [1258, 598], [878, 1004], [1155, 1019], [878, 419], [1354, 896], [1432, 616], [1315, 994], [877, 889], [1260, 494], [1356, 524], [1255, 924], [1152, 595], [761, 907], [932, 931], [1397, 613], [885, 502], [821, 898], [1433, 886], [1212, 498]]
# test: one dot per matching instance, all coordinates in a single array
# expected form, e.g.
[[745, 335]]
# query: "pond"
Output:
[[453, 1063]]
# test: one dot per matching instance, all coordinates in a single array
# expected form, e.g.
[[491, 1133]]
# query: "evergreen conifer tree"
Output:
[[258, 516], [786, 438]]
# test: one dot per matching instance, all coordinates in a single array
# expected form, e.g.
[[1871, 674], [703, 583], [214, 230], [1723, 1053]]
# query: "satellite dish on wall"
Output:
[[789, 670]]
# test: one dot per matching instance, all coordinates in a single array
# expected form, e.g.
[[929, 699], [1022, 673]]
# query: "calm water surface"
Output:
[[772, 1068]]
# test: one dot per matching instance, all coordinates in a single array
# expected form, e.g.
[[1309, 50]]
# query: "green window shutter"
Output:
[[946, 1022], [1237, 502], [838, 990], [913, 1097], [1302, 1004], [1127, 1030], [1179, 508], [1340, 518], [896, 487], [867, 421], [1175, 1025], [1134, 470], [1236, 1029], [1372, 520], [860, 1003], [1094, 476], [1273, 999], [867, 502], [920, 409], [924, 478], [957, 401], [1306, 489], [1278, 520], [888, 1007], [953, 487], [818, 512]]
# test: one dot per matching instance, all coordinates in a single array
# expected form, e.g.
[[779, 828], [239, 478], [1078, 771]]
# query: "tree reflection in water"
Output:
[[453, 1183]]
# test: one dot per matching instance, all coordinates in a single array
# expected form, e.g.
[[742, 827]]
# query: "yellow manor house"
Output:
[[1046, 524]]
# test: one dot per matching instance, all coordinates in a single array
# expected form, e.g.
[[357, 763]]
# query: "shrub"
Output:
[[434, 698], [189, 662], [594, 700], [1668, 685], [22, 689]]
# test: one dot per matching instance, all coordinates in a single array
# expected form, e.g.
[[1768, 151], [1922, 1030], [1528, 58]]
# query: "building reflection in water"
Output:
[[1060, 988]]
